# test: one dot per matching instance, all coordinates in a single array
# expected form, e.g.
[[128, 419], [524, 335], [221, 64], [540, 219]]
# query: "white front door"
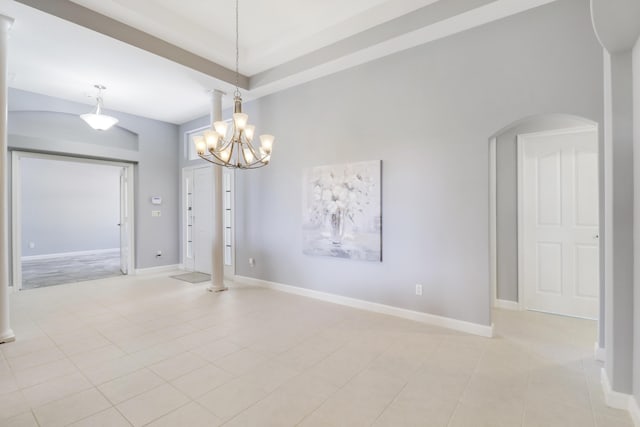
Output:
[[229, 228], [124, 222], [202, 215], [558, 215], [187, 188]]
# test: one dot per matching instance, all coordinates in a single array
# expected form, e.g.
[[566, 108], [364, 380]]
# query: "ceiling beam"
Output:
[[431, 22], [100, 23]]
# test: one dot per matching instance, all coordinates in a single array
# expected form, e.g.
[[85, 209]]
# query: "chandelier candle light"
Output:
[[97, 120], [232, 146]]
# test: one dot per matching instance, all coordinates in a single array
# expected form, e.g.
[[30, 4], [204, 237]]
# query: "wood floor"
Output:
[[38, 273]]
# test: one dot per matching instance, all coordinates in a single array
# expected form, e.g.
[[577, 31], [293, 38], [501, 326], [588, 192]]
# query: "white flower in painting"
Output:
[[317, 193], [326, 180], [340, 191]]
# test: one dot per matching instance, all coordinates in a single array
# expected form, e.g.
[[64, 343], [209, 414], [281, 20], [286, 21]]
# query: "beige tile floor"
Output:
[[150, 350]]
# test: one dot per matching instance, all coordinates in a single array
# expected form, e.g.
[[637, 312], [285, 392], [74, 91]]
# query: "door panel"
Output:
[[587, 271], [586, 180], [188, 251], [549, 277], [549, 190], [202, 219], [558, 196]]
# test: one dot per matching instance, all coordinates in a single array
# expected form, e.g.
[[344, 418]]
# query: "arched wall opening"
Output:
[[503, 205]]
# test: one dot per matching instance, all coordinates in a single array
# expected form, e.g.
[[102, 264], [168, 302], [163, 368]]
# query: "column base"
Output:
[[220, 288], [8, 336], [215, 289]]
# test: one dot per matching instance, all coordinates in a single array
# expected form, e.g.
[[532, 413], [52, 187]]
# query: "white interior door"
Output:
[[202, 235], [558, 215], [124, 222]]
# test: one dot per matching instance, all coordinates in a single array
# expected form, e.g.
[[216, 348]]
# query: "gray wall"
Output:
[[152, 149], [69, 206], [507, 196], [427, 113]]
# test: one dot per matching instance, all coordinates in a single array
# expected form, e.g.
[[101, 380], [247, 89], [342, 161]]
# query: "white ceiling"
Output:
[[51, 56], [271, 32]]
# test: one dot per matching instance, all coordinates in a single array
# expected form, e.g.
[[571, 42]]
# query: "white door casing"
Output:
[[558, 222], [16, 197], [124, 222]]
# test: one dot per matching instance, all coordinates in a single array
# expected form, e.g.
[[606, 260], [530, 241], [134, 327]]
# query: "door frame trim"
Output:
[[493, 219], [520, 141], [16, 206]]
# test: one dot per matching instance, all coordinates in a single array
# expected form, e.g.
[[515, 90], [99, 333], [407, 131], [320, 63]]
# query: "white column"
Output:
[[617, 26], [217, 262], [619, 219], [6, 334]]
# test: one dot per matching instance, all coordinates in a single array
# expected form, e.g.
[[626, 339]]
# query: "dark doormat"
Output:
[[194, 277]]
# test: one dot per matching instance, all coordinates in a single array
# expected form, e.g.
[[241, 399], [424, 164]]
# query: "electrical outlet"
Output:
[[419, 290], [32, 245], [156, 213], [252, 262]]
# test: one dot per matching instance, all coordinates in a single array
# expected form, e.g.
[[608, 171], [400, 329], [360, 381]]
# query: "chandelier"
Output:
[[97, 120], [232, 146]]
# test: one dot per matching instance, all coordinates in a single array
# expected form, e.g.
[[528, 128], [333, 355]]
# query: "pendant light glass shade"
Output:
[[97, 120]]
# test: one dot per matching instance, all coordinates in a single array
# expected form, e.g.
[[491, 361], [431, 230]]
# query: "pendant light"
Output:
[[97, 120], [232, 146]]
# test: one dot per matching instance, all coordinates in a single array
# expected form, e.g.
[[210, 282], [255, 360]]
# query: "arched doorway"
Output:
[[506, 228]]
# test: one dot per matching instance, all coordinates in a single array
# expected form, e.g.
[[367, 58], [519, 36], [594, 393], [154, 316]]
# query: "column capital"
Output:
[[616, 23], [6, 22]]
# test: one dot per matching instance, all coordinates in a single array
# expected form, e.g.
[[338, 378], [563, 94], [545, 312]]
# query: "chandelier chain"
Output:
[[237, 92]]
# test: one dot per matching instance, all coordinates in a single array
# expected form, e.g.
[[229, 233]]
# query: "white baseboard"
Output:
[[613, 398], [69, 254], [431, 319], [507, 305], [619, 400], [634, 411], [159, 269], [598, 353]]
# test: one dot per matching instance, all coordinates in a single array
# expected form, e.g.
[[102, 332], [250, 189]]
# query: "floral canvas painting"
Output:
[[342, 211]]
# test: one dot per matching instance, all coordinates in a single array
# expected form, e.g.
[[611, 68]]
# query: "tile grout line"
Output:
[[526, 390], [282, 385], [475, 370]]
